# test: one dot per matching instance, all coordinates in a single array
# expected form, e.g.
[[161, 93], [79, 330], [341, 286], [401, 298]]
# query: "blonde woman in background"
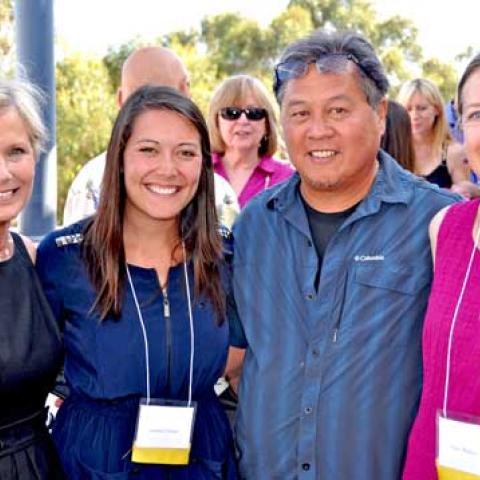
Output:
[[438, 158], [243, 133]]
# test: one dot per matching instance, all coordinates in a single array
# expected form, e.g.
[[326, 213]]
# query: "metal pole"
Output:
[[35, 62]]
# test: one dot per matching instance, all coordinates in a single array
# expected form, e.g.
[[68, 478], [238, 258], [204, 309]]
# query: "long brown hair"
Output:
[[397, 139], [103, 248]]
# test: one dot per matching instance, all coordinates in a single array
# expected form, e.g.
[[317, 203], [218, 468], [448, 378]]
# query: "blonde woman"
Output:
[[438, 158], [30, 343]]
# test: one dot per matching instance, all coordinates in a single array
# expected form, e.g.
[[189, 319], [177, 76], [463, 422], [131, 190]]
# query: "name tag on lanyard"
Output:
[[164, 432], [458, 449]]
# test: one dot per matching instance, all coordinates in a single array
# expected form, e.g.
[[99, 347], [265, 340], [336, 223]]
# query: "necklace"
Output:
[[7, 251]]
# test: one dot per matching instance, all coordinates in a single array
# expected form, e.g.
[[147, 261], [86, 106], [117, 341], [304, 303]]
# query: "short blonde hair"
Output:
[[432, 94], [230, 93], [26, 100]]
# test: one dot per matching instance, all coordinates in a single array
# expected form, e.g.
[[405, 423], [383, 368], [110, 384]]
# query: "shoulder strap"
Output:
[[21, 248], [444, 154]]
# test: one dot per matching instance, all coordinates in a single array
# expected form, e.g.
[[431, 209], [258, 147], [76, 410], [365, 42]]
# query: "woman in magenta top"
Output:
[[453, 232], [243, 131]]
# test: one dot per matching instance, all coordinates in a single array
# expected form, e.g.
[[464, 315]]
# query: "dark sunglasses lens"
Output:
[[230, 113], [234, 113], [255, 113]]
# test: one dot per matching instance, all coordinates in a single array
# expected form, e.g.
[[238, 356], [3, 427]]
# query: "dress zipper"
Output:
[[168, 335]]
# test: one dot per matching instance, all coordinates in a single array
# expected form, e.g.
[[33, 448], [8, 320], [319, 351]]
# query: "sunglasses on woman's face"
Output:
[[234, 113]]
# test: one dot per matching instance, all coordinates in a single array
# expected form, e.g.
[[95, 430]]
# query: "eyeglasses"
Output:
[[234, 113], [295, 68]]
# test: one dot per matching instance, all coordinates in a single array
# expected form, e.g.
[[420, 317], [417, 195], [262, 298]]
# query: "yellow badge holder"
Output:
[[164, 432]]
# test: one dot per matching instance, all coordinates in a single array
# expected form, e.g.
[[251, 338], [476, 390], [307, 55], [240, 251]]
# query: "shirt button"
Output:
[[308, 410], [302, 364], [309, 296], [315, 353], [306, 466]]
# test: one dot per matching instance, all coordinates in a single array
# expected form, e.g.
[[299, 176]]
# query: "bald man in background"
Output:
[[145, 66]]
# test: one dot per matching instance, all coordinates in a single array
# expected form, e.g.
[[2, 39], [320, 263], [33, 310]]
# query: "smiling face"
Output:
[[471, 120], [423, 115], [242, 134], [331, 132], [17, 165], [162, 166]]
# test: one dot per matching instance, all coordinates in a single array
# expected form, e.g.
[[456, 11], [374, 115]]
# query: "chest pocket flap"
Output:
[[399, 279]]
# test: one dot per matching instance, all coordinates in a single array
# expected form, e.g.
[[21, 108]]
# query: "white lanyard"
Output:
[[144, 331], [454, 319]]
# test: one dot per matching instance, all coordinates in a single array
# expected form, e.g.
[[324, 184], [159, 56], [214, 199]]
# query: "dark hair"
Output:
[[397, 139], [103, 248], [321, 43], [473, 65]]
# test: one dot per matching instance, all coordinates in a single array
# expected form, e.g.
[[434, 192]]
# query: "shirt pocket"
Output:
[[383, 304], [404, 280]]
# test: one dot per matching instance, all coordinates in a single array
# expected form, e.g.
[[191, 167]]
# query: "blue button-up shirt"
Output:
[[332, 377]]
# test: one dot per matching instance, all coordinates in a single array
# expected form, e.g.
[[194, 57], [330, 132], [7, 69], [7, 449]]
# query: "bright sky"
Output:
[[446, 28]]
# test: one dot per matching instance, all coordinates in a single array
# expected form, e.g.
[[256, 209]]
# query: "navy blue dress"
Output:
[[106, 373]]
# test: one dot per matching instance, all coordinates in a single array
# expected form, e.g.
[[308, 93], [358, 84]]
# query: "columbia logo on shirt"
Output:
[[369, 258]]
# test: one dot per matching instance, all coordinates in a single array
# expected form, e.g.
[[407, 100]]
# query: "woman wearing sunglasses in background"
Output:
[[243, 133]]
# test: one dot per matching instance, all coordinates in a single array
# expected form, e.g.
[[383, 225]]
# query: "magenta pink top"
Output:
[[267, 173], [454, 247]]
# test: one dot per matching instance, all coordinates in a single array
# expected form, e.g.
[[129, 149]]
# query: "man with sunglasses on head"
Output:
[[331, 275]]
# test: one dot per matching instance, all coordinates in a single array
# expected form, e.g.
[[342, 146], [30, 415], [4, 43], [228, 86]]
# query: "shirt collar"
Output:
[[266, 163]]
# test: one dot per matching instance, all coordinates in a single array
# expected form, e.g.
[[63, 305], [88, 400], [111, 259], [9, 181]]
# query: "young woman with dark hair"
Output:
[[140, 289]]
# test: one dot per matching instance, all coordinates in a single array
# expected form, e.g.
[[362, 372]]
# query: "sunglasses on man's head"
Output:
[[296, 68], [234, 113]]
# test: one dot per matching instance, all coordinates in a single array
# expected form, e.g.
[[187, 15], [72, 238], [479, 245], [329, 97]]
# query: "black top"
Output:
[[322, 228], [30, 342], [441, 176]]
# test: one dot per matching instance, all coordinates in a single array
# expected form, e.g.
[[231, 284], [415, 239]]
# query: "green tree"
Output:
[[235, 44], [443, 75], [85, 110], [293, 23], [395, 39]]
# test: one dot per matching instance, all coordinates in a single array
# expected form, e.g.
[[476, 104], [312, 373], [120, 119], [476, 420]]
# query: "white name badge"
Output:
[[458, 449], [164, 432]]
